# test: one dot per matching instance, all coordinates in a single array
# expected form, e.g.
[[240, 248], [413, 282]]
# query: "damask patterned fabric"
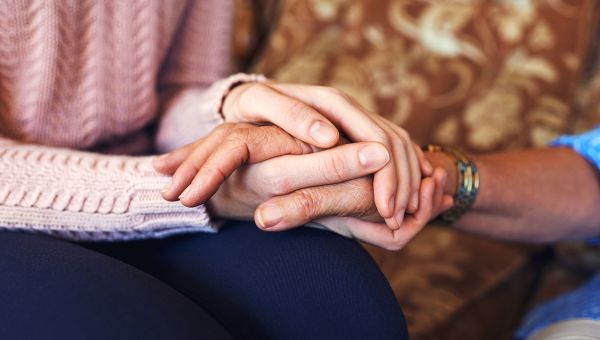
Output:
[[480, 75]]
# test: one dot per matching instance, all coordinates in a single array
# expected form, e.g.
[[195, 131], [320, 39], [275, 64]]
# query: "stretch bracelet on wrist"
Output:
[[468, 183]]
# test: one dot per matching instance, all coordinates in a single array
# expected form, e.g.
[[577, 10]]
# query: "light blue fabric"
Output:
[[585, 301], [587, 144], [581, 303]]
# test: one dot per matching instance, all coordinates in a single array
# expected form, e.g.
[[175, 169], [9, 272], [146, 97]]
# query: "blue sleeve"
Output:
[[588, 145], [583, 303]]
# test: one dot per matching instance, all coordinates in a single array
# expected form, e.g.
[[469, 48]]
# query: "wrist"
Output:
[[466, 179], [444, 161], [231, 101], [228, 92]]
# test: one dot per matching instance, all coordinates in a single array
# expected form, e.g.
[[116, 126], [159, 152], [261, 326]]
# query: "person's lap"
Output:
[[52, 289], [298, 284]]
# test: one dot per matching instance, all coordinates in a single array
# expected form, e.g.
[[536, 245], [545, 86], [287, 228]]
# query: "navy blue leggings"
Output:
[[241, 283]]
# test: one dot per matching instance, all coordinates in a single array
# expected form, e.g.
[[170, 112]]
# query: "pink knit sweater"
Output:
[[91, 75]]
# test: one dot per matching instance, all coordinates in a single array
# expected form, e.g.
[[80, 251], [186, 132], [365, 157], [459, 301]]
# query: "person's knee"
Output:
[[345, 281], [276, 284], [331, 282]]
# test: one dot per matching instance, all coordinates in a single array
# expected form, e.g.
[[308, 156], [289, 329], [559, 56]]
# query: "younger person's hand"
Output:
[[313, 114]]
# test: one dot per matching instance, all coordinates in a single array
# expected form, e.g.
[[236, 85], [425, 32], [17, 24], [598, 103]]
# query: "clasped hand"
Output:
[[379, 188]]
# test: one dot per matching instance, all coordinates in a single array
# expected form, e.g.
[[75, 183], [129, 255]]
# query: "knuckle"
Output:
[[367, 205], [186, 168], [277, 183], [234, 148], [401, 142], [402, 199], [301, 148], [416, 181], [219, 174], [334, 91], [361, 191], [240, 134], [281, 186], [298, 109], [382, 137], [403, 134], [306, 203], [334, 168], [224, 128]]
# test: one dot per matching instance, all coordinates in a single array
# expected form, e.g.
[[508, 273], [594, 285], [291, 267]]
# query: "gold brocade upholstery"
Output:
[[481, 75], [457, 286]]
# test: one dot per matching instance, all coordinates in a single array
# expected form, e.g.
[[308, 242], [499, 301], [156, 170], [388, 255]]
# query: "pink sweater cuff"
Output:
[[194, 112], [86, 196], [224, 87]]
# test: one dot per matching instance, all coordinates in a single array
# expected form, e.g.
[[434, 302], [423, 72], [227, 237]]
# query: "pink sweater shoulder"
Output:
[[89, 75]]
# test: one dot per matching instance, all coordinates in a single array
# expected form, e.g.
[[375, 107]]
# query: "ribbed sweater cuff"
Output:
[[84, 196], [223, 88], [193, 112]]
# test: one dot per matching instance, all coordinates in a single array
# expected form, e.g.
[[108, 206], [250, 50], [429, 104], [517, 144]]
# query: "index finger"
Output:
[[248, 145], [359, 125], [262, 103], [336, 165]]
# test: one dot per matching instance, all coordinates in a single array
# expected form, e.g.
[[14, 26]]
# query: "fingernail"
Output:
[[414, 201], [161, 158], [392, 203], [184, 193], [323, 133], [268, 216], [400, 217], [373, 156], [166, 188], [428, 167]]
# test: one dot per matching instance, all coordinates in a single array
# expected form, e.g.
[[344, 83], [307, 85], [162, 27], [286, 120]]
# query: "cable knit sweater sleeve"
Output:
[[92, 197], [86, 196], [196, 79]]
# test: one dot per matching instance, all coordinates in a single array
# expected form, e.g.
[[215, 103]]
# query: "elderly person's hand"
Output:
[[312, 113], [346, 208], [369, 229]]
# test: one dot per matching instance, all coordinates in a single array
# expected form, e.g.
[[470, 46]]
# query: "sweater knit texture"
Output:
[[84, 80]]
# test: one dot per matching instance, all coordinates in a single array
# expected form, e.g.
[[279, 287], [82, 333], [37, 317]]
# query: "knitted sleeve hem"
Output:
[[194, 112], [85, 196]]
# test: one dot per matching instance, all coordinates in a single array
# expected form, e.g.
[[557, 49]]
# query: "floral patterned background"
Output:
[[481, 75]]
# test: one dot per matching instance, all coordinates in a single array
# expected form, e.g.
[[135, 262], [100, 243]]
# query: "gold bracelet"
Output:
[[468, 183]]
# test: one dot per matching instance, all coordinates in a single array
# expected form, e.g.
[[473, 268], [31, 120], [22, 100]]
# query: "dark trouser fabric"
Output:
[[302, 284]]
